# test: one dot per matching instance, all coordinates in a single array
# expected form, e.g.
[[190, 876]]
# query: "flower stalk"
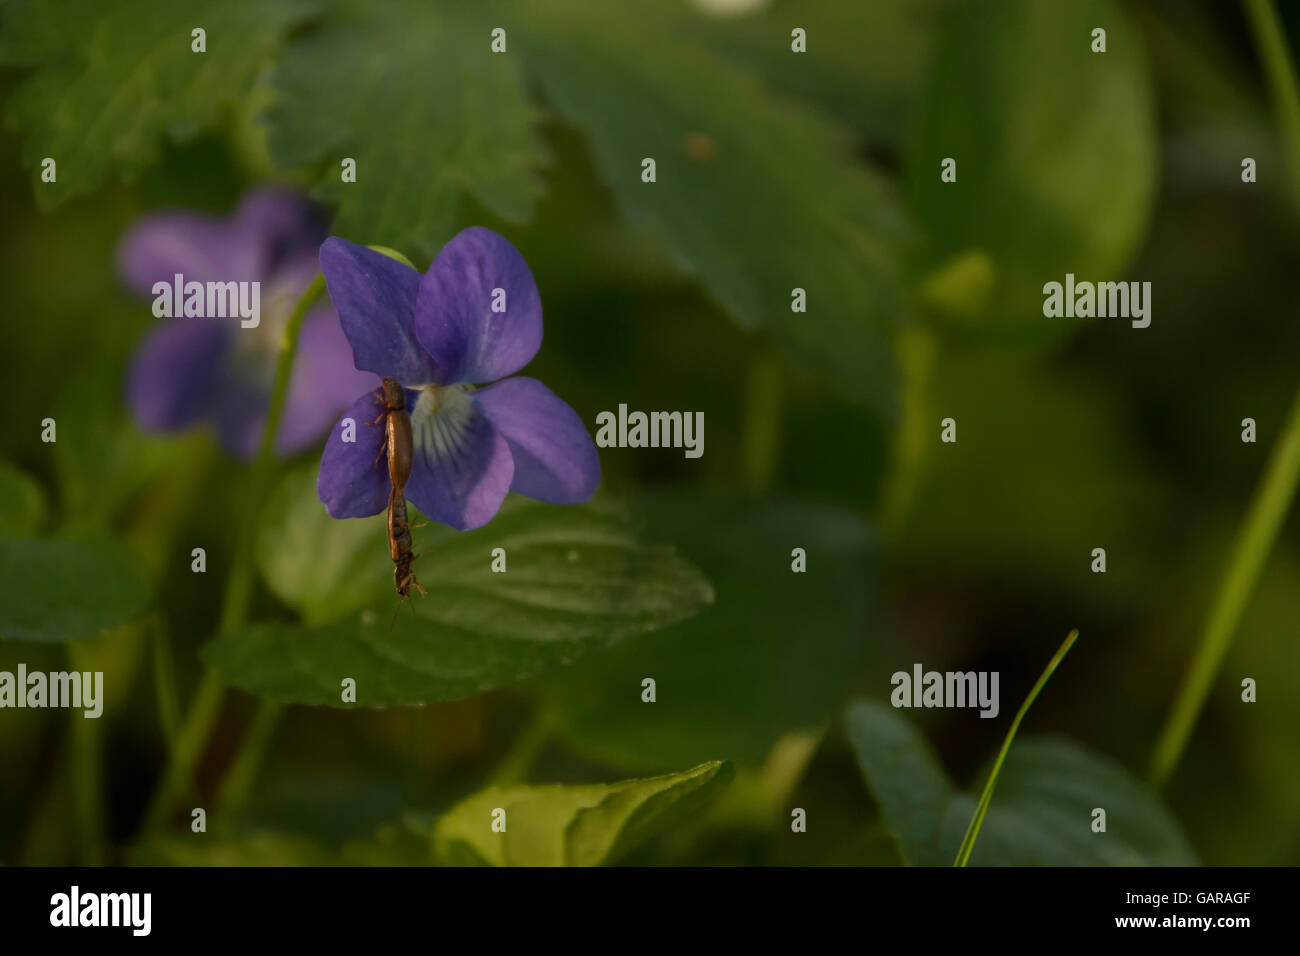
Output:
[[192, 737]]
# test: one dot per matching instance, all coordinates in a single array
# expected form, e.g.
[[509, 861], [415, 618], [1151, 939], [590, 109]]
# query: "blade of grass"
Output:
[[1273, 498], [1267, 31], [973, 831], [1254, 542]]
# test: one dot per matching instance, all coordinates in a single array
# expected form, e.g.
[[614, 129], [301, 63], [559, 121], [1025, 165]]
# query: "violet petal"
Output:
[[375, 299], [283, 225], [555, 459], [454, 317], [353, 480], [323, 382], [462, 466], [200, 248], [174, 373]]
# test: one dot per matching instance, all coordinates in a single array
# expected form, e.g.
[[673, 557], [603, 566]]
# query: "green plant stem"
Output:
[[514, 766], [164, 679], [239, 588], [916, 349], [186, 750], [1254, 541], [977, 819], [205, 708], [1276, 490], [239, 778]]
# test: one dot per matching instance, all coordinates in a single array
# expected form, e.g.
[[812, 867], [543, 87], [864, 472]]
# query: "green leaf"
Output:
[[63, 590], [578, 579], [755, 194], [561, 825], [113, 81], [22, 503], [905, 779], [779, 647], [1041, 812], [413, 93], [874, 94], [321, 567], [1054, 144]]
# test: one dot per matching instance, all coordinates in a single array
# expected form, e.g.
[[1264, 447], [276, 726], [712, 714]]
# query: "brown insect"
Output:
[[397, 432], [399, 545], [400, 448]]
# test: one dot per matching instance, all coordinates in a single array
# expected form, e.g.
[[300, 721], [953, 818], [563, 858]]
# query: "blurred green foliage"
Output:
[[775, 170], [113, 82], [1054, 145]]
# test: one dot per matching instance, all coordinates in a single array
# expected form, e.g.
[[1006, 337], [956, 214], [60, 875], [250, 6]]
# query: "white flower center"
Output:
[[440, 421]]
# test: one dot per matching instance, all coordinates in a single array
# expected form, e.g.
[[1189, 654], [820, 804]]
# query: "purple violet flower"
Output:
[[474, 317], [192, 369]]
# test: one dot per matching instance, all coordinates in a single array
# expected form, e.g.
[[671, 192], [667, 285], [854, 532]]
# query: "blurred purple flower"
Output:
[[474, 317], [191, 369]]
